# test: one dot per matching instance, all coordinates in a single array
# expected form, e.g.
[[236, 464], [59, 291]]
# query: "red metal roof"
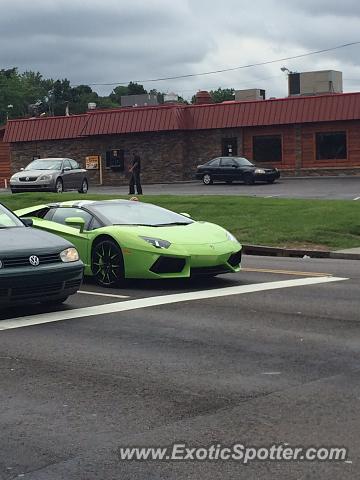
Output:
[[45, 128], [324, 108]]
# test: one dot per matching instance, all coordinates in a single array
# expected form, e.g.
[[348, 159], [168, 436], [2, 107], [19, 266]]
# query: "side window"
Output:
[[62, 213], [74, 164], [66, 164], [94, 224], [215, 162], [267, 148], [115, 160], [229, 147], [227, 162]]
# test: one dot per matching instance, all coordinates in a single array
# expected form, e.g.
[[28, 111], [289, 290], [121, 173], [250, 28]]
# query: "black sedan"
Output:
[[234, 169], [35, 266]]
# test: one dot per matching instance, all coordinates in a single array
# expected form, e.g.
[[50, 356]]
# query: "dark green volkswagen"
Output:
[[35, 266]]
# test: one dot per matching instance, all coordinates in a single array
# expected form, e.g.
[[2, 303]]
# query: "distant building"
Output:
[[300, 135], [142, 100], [315, 83]]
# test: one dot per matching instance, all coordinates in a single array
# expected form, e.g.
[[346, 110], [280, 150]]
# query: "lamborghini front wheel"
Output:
[[107, 263]]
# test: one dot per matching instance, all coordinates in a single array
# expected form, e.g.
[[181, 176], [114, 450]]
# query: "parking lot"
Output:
[[332, 188], [268, 355]]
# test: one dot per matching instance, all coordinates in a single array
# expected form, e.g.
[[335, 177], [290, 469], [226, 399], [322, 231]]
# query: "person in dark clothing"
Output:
[[135, 170]]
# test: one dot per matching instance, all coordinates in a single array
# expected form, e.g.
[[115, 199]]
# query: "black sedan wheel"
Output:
[[207, 179], [107, 263], [59, 186], [270, 180], [84, 186]]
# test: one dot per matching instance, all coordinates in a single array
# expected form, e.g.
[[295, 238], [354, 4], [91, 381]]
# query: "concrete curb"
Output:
[[262, 250]]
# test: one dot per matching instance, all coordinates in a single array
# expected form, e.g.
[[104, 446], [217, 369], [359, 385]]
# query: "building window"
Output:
[[267, 148], [229, 147], [115, 159], [331, 146]]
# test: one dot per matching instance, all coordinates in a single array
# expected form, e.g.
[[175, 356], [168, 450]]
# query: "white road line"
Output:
[[160, 300], [103, 294], [356, 198]]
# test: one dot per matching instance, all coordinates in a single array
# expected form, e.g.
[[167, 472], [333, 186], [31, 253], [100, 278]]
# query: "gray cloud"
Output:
[[101, 41]]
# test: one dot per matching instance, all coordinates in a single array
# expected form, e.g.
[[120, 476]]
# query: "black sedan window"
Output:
[[244, 162], [228, 162], [214, 163]]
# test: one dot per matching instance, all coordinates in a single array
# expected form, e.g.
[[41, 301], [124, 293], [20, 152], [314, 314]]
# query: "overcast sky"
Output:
[[104, 41]]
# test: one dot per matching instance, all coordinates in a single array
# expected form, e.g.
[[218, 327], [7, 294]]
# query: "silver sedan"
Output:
[[52, 175]]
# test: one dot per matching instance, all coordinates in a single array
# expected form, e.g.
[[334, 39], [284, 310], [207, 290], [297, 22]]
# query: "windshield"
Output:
[[8, 219], [243, 162], [47, 164], [136, 213]]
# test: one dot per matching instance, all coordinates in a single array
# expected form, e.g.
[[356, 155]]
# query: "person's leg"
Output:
[[131, 185], [138, 184]]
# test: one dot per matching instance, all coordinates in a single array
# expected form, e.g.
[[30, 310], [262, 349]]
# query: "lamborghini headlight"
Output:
[[69, 255], [231, 237], [156, 242]]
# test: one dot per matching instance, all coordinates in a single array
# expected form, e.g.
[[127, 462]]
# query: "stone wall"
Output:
[[161, 155], [165, 156]]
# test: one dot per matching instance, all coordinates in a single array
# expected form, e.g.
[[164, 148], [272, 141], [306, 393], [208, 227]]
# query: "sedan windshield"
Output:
[[136, 213], [47, 164], [8, 220]]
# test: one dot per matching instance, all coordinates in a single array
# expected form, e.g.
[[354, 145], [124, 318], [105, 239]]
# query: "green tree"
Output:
[[136, 89], [11, 104], [222, 94], [118, 92], [133, 88]]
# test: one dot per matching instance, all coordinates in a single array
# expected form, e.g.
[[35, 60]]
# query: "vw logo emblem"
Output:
[[34, 260]]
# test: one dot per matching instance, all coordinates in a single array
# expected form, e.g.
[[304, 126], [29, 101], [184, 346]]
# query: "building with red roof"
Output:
[[300, 135]]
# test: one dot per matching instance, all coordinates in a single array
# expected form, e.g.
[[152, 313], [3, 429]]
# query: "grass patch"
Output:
[[264, 221]]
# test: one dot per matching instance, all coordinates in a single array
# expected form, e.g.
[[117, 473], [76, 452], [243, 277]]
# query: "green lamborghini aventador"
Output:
[[120, 239]]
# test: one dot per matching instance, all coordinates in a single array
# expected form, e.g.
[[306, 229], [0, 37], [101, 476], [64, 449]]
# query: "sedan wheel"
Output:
[[84, 186], [59, 186], [107, 264], [207, 179]]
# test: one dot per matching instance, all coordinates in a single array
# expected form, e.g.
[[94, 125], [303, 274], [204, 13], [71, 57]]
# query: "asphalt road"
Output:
[[265, 356], [336, 188], [345, 188]]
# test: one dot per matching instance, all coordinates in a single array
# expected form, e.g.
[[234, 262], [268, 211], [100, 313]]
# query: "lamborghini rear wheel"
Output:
[[107, 263]]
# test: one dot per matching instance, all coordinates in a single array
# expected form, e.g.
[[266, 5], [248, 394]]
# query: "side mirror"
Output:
[[235, 166], [75, 222], [22, 169], [67, 169], [27, 222], [185, 214]]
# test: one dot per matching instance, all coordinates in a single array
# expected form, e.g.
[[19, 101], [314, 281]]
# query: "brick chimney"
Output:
[[202, 97]]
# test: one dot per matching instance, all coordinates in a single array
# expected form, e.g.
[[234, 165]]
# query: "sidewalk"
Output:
[[347, 254]]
